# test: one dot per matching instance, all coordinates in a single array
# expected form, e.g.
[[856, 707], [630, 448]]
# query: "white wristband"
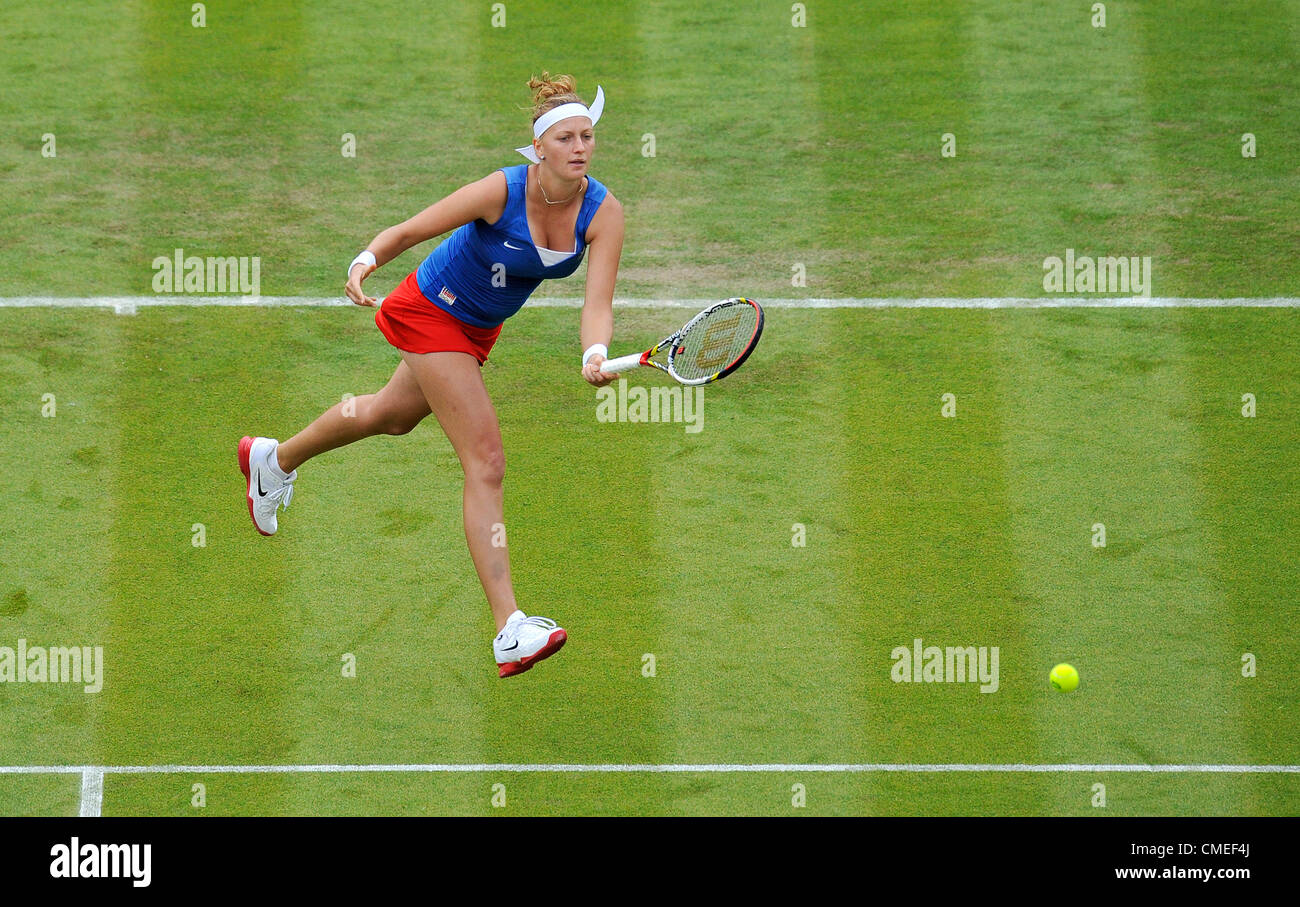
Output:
[[365, 258], [593, 350]]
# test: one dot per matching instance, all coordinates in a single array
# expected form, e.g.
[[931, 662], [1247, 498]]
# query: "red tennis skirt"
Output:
[[414, 324]]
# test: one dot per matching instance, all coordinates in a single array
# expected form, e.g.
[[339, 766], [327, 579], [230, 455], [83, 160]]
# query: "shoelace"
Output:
[[281, 496], [544, 622]]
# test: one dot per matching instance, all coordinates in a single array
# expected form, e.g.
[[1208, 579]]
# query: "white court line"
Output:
[[92, 791], [92, 776], [88, 771], [129, 305]]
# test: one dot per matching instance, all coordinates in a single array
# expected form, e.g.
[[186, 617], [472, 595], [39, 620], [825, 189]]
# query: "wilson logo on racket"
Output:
[[710, 346], [716, 344]]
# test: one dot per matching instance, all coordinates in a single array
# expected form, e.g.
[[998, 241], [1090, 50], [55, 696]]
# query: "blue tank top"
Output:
[[483, 273]]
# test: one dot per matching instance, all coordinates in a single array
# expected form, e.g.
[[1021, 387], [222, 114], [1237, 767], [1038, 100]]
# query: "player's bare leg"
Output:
[[394, 410], [453, 386], [270, 467]]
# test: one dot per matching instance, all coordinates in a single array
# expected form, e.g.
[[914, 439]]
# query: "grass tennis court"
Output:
[[775, 147]]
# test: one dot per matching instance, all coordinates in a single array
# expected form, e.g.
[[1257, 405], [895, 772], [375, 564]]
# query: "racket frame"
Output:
[[673, 343]]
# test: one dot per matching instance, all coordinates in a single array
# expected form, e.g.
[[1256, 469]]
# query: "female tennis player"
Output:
[[513, 229]]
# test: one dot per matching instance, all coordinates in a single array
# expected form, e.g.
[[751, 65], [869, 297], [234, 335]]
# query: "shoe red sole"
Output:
[[246, 445], [553, 645]]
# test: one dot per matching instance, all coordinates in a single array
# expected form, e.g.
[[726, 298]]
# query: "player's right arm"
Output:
[[485, 198]]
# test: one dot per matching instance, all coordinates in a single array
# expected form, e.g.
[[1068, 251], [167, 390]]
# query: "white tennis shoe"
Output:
[[524, 641], [268, 487]]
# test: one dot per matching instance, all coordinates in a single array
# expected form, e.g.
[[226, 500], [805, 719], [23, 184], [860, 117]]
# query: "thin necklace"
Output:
[[548, 199]]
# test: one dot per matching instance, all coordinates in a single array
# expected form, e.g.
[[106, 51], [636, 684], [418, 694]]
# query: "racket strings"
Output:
[[715, 342]]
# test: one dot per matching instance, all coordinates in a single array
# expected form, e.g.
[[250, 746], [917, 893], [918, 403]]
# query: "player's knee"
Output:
[[381, 418], [399, 424], [488, 466]]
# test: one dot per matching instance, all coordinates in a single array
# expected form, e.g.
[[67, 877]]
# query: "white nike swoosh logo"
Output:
[[520, 248]]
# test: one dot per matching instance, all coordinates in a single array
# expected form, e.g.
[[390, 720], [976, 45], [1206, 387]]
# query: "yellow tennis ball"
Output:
[[1064, 677]]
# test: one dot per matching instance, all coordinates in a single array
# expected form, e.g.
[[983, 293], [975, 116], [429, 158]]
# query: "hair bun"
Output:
[[551, 91], [549, 86]]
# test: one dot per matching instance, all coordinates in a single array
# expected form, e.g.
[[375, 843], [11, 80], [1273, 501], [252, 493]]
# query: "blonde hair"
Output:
[[551, 91]]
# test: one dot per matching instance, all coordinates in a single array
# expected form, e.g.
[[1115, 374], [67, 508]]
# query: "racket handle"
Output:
[[621, 364]]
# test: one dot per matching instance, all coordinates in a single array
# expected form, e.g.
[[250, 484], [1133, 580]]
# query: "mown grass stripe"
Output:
[[600, 585], [1022, 114], [729, 654], [1246, 476], [1208, 81], [59, 379], [383, 575], [202, 660]]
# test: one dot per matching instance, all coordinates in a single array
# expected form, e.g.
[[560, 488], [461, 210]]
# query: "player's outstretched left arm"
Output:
[[605, 239], [484, 198]]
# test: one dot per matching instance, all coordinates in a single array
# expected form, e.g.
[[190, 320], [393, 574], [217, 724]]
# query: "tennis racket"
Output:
[[710, 346]]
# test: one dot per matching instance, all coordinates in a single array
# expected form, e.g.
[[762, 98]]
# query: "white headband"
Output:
[[563, 112]]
